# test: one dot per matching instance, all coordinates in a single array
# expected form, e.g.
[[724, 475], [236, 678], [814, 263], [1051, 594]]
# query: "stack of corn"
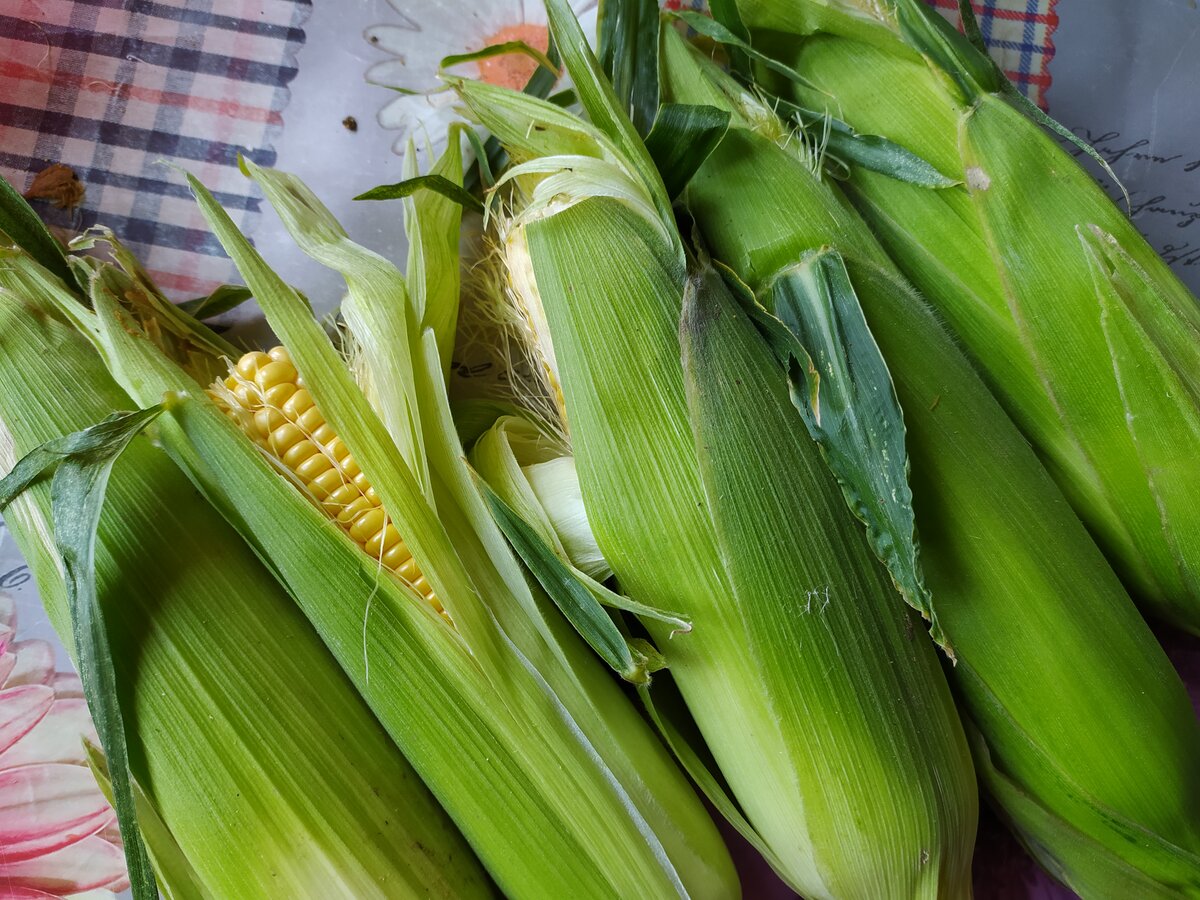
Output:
[[830, 722], [1082, 331], [1065, 690], [719, 413]]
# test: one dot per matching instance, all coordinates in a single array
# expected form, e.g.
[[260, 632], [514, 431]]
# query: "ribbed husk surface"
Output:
[[1077, 325], [255, 750], [1082, 732]]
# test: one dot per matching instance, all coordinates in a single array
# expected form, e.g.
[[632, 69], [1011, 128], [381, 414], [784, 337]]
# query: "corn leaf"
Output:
[[504, 48], [377, 310], [528, 126], [726, 13], [83, 462], [496, 459], [1075, 856], [681, 140], [628, 52], [568, 592], [26, 230], [181, 335], [432, 222], [600, 101], [714, 30], [852, 412], [667, 711], [224, 298], [438, 184], [878, 154], [931, 35], [1154, 359]]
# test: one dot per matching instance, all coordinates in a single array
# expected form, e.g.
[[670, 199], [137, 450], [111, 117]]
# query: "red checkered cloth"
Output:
[[1020, 37], [112, 88]]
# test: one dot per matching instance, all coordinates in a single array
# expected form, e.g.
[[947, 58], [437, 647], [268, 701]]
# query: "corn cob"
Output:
[[557, 782], [1017, 584], [265, 395], [271, 775], [852, 790], [1075, 322]]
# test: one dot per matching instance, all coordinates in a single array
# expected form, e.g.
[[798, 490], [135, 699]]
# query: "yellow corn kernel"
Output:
[[284, 420]]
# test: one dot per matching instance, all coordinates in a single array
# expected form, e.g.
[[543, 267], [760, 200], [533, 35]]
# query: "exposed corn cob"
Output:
[[267, 768], [1076, 323], [1040, 625], [266, 396], [832, 727]]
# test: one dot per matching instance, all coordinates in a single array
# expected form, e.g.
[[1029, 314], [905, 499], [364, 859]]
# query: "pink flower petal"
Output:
[[112, 833], [20, 893], [57, 738], [8, 662], [35, 663], [21, 709], [8, 610], [67, 686], [47, 807], [6, 636], [84, 866]]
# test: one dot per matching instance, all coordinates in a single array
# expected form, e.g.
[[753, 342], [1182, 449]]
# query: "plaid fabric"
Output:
[[112, 88], [1020, 37]]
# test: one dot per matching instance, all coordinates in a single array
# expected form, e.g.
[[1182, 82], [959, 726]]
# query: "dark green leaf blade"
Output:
[[878, 154], [437, 183], [852, 412], [681, 140], [715, 31], [221, 300], [933, 36], [568, 593], [628, 52], [25, 229], [503, 49], [598, 99], [84, 461]]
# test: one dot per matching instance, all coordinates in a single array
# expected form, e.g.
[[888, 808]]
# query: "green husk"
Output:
[[250, 744], [1016, 583], [784, 726], [1001, 259]]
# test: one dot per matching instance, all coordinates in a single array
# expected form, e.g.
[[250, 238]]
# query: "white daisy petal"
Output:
[[398, 73], [408, 112], [534, 12], [401, 8], [429, 129], [392, 38]]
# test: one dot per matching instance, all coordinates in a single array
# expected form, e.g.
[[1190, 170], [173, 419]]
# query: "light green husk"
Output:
[[552, 775], [265, 773], [832, 726], [1082, 732], [1030, 263]]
